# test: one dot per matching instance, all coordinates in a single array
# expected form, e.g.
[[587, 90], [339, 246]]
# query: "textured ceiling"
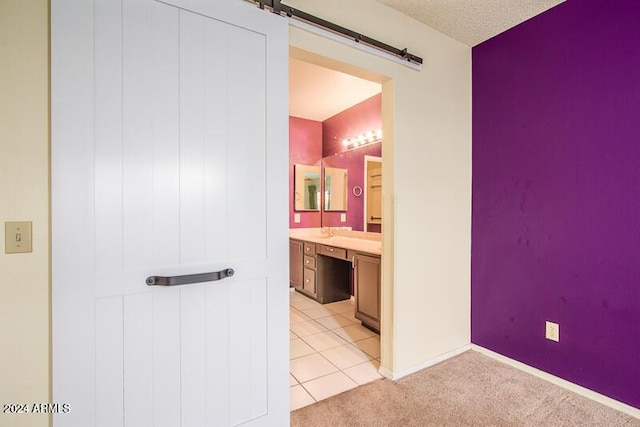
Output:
[[471, 21]]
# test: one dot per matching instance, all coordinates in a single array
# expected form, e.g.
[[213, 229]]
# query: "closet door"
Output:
[[169, 158]]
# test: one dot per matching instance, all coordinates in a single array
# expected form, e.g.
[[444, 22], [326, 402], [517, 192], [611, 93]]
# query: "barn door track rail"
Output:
[[277, 7]]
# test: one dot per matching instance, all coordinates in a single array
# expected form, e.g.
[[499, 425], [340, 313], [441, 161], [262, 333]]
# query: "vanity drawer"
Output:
[[309, 248], [332, 252], [309, 283], [310, 262]]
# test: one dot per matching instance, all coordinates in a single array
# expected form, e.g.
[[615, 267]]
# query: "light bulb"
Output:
[[379, 134], [370, 136]]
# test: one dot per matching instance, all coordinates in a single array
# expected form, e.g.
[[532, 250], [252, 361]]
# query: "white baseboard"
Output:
[[430, 362], [589, 394]]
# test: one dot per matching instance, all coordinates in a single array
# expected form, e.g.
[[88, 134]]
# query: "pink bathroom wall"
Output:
[[305, 147], [361, 118], [354, 121], [310, 141], [353, 161]]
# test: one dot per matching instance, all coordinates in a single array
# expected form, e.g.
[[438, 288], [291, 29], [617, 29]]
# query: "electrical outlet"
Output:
[[552, 331], [343, 217], [296, 218]]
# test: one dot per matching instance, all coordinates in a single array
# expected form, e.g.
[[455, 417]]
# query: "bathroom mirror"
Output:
[[307, 188], [335, 189]]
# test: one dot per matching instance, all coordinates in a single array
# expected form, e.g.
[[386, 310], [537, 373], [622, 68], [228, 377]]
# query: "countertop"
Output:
[[346, 239]]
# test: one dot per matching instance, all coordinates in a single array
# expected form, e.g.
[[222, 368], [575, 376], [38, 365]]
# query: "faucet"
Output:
[[330, 232]]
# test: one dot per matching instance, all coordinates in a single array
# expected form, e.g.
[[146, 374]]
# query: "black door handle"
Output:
[[189, 278]]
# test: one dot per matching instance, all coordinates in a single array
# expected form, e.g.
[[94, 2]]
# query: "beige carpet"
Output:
[[467, 390]]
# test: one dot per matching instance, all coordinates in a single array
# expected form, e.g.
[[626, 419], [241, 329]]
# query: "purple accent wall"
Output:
[[354, 121], [556, 194], [305, 147]]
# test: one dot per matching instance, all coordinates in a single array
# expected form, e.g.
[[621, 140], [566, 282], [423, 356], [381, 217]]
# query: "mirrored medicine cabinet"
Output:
[[308, 189]]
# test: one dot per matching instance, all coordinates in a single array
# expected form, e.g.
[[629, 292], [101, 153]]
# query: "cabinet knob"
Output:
[[306, 262]]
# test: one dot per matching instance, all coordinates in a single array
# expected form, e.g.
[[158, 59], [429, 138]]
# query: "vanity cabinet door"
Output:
[[310, 262], [309, 249], [309, 281], [295, 263], [366, 278]]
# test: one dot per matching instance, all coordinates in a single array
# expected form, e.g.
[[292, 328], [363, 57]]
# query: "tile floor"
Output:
[[331, 351]]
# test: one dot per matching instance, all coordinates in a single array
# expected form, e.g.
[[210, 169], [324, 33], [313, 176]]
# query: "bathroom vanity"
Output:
[[327, 268]]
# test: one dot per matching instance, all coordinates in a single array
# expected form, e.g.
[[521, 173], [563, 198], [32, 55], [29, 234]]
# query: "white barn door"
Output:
[[169, 158]]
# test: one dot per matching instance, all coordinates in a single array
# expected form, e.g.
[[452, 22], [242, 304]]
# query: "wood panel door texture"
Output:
[[169, 155]]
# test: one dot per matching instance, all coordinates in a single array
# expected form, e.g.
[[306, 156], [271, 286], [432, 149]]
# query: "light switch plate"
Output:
[[343, 217], [17, 237]]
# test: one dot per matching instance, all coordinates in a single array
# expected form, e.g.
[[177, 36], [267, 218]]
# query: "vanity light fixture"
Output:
[[366, 138]]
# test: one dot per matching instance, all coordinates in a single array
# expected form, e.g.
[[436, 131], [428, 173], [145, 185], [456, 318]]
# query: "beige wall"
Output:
[[24, 196], [427, 137], [427, 187]]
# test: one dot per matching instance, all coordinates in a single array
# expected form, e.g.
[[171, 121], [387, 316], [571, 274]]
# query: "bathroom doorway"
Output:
[[335, 123]]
